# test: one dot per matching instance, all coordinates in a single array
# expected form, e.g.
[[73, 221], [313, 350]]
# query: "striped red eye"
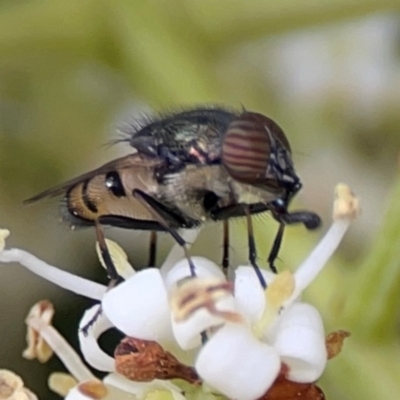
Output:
[[249, 149]]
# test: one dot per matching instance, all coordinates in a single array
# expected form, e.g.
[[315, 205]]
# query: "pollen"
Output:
[[61, 383], [94, 389], [280, 289], [346, 205], [276, 294], [4, 234]]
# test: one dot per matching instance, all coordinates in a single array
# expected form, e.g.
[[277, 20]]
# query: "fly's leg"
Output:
[[225, 247], [252, 248], [153, 207], [152, 249], [110, 268], [275, 248], [105, 253]]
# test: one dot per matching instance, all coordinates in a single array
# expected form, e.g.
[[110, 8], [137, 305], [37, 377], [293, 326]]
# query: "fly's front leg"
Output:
[[153, 207], [252, 248], [273, 255], [225, 247]]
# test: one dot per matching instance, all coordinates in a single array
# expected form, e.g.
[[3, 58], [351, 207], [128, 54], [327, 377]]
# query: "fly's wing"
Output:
[[192, 136], [132, 160], [106, 194]]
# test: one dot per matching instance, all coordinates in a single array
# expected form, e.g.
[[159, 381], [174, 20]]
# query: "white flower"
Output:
[[243, 336], [88, 387]]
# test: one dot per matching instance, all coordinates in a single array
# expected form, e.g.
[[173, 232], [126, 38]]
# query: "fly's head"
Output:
[[256, 153]]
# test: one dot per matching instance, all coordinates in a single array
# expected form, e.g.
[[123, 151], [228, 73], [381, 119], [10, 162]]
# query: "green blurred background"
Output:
[[71, 72]]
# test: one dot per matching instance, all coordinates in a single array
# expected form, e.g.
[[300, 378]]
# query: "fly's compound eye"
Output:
[[114, 184], [255, 151]]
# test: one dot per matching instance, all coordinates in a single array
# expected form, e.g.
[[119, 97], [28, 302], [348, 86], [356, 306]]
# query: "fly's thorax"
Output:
[[192, 189]]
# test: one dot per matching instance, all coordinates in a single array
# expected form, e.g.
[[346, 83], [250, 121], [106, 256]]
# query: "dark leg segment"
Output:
[[105, 254], [252, 248], [152, 249], [225, 247], [111, 271], [275, 248], [151, 205]]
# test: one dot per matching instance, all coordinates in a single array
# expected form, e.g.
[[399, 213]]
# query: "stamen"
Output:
[[61, 278], [12, 387], [346, 205], [60, 346], [346, 208], [4, 234], [37, 347], [61, 383], [9, 383]]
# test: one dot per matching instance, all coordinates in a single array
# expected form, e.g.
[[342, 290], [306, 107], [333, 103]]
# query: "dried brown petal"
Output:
[[95, 390], [61, 383], [145, 360], [334, 343], [195, 294], [283, 389], [37, 347]]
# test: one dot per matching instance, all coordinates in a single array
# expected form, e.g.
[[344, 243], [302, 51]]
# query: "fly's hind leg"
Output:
[[110, 268], [152, 249]]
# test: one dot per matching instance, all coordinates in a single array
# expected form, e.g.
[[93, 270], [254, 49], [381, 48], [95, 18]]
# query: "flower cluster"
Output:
[[228, 337]]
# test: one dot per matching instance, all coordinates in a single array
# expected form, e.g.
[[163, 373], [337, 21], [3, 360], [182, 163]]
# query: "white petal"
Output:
[[249, 294], [139, 389], [90, 348], [139, 307], [238, 365], [55, 275], [204, 268], [300, 340], [76, 394], [188, 333]]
